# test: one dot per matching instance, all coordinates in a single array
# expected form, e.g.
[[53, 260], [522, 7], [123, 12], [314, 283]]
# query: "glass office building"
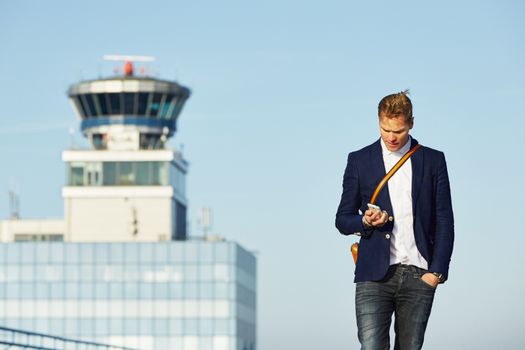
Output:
[[190, 295]]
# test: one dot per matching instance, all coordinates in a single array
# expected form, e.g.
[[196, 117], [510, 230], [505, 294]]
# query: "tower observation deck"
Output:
[[128, 111], [129, 186]]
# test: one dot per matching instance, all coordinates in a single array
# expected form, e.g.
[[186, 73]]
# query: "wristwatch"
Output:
[[439, 276]]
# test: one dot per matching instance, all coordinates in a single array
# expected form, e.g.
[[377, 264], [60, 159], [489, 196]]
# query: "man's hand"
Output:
[[375, 218], [430, 279]]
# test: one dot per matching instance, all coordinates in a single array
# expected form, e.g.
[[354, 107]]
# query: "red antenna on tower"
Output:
[[128, 61], [128, 68]]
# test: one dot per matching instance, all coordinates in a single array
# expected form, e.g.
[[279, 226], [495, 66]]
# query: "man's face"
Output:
[[394, 131]]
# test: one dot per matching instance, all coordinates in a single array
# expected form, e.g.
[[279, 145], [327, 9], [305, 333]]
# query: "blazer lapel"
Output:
[[417, 160]]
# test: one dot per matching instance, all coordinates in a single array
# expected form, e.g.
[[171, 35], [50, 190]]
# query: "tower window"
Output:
[[114, 103]]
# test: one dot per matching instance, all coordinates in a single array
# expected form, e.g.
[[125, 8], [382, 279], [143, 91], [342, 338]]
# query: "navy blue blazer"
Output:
[[431, 206]]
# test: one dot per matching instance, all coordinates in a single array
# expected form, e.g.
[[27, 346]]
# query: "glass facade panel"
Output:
[[72, 254], [175, 291], [102, 103], [76, 174], [206, 272], [166, 107], [206, 252], [177, 108], [109, 173], [86, 253], [101, 291], [118, 174], [143, 171], [86, 291], [154, 105], [142, 103], [90, 105], [146, 252], [191, 291], [30, 253], [206, 291], [114, 103], [72, 272], [57, 291], [2, 256], [26, 291], [191, 273], [125, 174], [131, 253], [169, 292], [56, 254], [159, 173], [101, 255], [94, 174], [221, 252], [221, 290], [222, 272], [180, 221], [129, 103], [116, 253], [161, 253], [41, 290]]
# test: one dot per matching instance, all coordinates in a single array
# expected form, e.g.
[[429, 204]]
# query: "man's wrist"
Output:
[[365, 224], [439, 276]]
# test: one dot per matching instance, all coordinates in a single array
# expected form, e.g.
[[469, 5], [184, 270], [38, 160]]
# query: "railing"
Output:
[[18, 339]]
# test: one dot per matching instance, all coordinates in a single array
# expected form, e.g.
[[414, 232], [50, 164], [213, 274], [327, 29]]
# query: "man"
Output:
[[405, 248]]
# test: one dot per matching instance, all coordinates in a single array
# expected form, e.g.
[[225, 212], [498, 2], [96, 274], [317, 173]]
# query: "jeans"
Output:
[[402, 293]]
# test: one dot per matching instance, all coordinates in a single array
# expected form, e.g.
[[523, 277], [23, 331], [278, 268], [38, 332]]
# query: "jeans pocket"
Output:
[[425, 283]]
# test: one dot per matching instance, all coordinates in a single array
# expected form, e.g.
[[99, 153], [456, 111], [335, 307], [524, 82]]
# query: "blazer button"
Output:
[[390, 218], [387, 236]]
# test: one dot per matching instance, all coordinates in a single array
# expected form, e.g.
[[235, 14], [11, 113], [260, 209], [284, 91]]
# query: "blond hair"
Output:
[[396, 105]]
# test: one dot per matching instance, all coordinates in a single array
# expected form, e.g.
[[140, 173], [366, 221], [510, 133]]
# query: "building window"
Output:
[[125, 174], [102, 102], [91, 105], [167, 106], [142, 103], [76, 174], [109, 172], [143, 171], [129, 103], [180, 221], [93, 174], [154, 105], [29, 237], [119, 174], [114, 103], [159, 173]]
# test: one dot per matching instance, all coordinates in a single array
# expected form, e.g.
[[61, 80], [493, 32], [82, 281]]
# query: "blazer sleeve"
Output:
[[444, 222], [348, 220]]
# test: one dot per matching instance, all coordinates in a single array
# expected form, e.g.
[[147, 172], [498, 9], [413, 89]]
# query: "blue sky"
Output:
[[281, 92]]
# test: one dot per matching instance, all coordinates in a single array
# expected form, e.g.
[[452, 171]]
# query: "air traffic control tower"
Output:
[[120, 268], [128, 184]]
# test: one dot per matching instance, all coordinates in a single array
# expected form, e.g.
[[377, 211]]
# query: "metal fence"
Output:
[[14, 339]]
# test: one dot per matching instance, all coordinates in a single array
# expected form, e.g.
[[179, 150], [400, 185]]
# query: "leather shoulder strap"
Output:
[[392, 172]]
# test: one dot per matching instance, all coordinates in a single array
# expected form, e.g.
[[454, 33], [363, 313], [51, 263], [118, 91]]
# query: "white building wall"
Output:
[[10, 228], [118, 219]]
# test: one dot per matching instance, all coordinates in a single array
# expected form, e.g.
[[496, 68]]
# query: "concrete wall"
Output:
[[118, 219], [10, 228]]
